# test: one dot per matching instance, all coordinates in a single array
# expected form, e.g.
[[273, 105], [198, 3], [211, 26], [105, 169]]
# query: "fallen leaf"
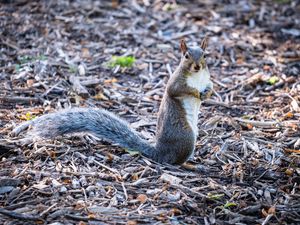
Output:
[[40, 185], [289, 172], [85, 53], [272, 210], [109, 81], [79, 204], [142, 198], [249, 126], [131, 222], [30, 82], [264, 212], [295, 106], [91, 216], [170, 178]]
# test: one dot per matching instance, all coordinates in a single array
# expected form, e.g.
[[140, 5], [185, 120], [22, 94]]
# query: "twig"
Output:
[[213, 102], [188, 190], [169, 69], [269, 216], [19, 215], [48, 209], [125, 192], [268, 124], [21, 204], [20, 100], [10, 45], [78, 88], [182, 34]]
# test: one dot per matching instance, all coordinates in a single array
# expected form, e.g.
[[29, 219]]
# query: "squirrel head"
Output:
[[193, 57]]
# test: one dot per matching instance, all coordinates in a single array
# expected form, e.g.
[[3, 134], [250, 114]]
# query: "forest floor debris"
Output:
[[55, 54]]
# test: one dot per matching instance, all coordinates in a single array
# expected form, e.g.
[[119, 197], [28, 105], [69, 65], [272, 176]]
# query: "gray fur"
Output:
[[98, 122], [175, 138], [196, 53]]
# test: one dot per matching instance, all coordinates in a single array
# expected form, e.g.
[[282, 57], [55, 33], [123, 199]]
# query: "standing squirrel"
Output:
[[177, 118]]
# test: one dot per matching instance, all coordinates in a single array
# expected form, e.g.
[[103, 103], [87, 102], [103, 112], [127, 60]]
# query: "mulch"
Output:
[[56, 54]]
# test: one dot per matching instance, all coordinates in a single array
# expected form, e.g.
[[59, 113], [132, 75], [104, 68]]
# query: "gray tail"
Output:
[[98, 122]]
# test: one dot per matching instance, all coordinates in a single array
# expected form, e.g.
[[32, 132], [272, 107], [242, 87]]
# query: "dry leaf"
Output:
[[85, 53], [109, 157], [131, 222], [175, 211], [289, 172], [81, 70], [267, 67], [170, 179], [289, 115], [109, 81], [30, 82], [55, 183], [91, 216], [142, 198], [295, 106], [272, 210], [41, 185], [52, 154], [249, 126], [79, 204], [264, 212]]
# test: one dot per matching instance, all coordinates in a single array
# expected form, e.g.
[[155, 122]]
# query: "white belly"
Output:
[[200, 81], [191, 106]]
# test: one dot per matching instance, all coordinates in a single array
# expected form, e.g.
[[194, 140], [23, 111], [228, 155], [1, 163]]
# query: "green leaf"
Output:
[[42, 58], [72, 69], [122, 61], [169, 7], [247, 117], [17, 67], [273, 80], [229, 204], [132, 152], [25, 59], [28, 116], [214, 196], [29, 59]]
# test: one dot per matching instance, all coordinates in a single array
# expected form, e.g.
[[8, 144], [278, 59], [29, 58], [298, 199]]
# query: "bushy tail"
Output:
[[98, 122]]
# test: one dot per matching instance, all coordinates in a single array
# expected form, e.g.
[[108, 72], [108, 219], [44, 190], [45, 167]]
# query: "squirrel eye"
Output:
[[187, 55]]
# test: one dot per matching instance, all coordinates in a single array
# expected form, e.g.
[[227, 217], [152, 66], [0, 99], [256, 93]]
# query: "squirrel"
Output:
[[177, 129]]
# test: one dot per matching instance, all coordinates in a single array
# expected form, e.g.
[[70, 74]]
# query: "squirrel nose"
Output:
[[197, 67]]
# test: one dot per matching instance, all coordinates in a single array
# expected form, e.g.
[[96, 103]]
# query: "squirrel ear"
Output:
[[204, 43], [183, 46]]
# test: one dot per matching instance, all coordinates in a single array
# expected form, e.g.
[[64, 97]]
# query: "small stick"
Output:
[[48, 209], [169, 69], [20, 216], [213, 102], [269, 216], [19, 99], [267, 124], [125, 192], [78, 88]]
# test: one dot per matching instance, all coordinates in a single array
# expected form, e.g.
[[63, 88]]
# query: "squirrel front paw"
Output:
[[206, 93]]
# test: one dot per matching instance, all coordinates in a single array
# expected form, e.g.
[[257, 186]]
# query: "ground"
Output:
[[57, 54]]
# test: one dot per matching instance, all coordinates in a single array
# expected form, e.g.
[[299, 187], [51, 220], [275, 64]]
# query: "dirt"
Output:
[[57, 54]]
